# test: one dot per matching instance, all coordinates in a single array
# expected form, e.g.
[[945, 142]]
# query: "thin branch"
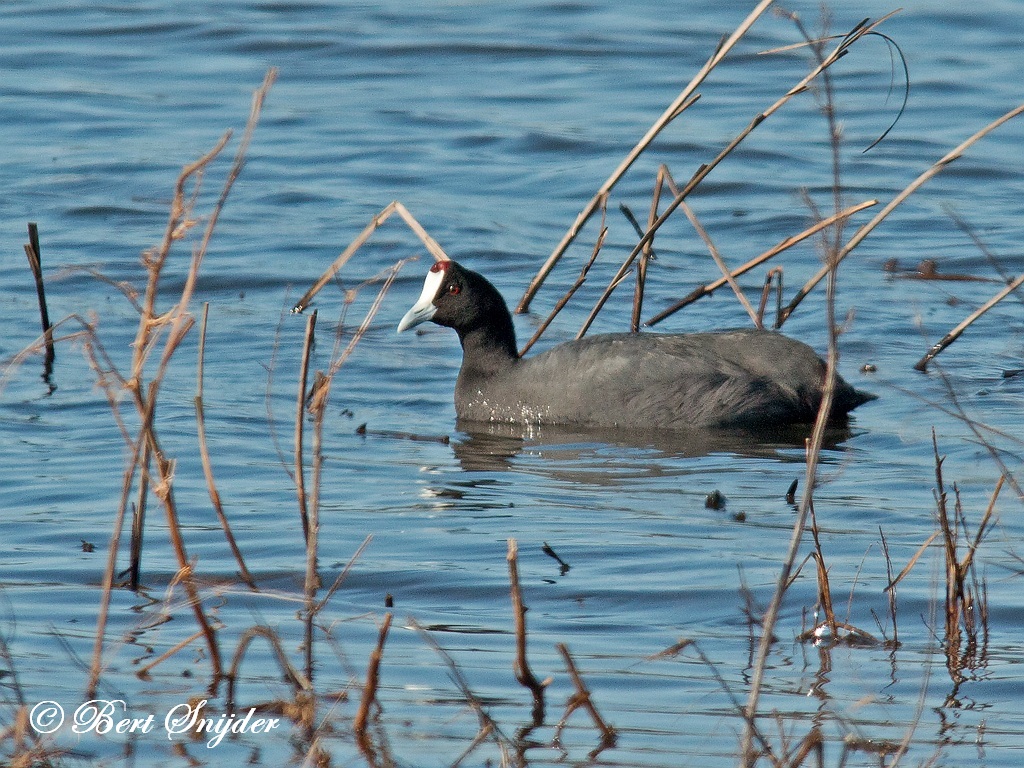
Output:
[[572, 290], [204, 453], [720, 262], [648, 252], [375, 223], [684, 100], [706, 290], [372, 682], [300, 412], [583, 698], [702, 172], [916, 184], [953, 335]]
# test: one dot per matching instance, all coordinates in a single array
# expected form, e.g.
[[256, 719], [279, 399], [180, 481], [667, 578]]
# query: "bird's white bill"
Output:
[[419, 313], [424, 308]]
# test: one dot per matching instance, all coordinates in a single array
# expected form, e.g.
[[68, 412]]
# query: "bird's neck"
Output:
[[489, 349]]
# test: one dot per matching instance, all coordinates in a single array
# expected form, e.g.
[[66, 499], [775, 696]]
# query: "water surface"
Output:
[[495, 124]]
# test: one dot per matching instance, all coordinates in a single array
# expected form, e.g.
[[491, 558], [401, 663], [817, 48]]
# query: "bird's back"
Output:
[[660, 381]]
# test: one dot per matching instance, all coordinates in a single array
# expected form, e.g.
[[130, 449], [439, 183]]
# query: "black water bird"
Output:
[[642, 381]]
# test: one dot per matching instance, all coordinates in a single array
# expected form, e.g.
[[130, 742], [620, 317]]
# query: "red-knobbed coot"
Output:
[[739, 378]]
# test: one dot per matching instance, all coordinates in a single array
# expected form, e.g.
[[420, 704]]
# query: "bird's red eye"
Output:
[[454, 289]]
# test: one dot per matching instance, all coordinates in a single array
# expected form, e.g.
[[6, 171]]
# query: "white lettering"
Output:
[[96, 716], [175, 723]]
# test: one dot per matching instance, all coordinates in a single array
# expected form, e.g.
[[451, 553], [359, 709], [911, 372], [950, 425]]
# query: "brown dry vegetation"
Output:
[[149, 475]]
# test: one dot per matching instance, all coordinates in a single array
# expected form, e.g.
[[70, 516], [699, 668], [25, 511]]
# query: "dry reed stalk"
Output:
[[521, 667], [812, 743], [828, 629], [143, 672], [481, 735], [720, 263], [766, 747], [339, 358], [35, 264], [178, 223], [774, 275], [879, 217], [830, 245], [814, 445], [682, 102], [560, 304], [488, 727], [966, 604], [344, 573], [312, 530], [990, 257], [375, 223], [824, 586], [372, 682], [957, 411], [299, 682], [204, 453], [300, 410], [318, 398], [913, 561], [953, 335], [582, 698], [647, 254], [177, 321], [864, 28], [9, 365], [852, 37], [706, 290], [891, 592], [28, 748], [29, 751], [138, 521]]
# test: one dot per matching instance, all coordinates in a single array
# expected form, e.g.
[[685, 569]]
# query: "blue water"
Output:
[[495, 124]]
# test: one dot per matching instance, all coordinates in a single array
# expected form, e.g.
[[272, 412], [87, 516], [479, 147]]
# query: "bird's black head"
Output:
[[459, 298]]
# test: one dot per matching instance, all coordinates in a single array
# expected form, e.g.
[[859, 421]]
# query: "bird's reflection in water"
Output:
[[492, 447]]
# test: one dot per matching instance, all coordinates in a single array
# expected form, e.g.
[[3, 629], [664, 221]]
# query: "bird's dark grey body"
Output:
[[656, 381], [741, 378]]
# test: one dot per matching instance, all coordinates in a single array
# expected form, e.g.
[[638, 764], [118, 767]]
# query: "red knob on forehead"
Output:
[[440, 266]]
